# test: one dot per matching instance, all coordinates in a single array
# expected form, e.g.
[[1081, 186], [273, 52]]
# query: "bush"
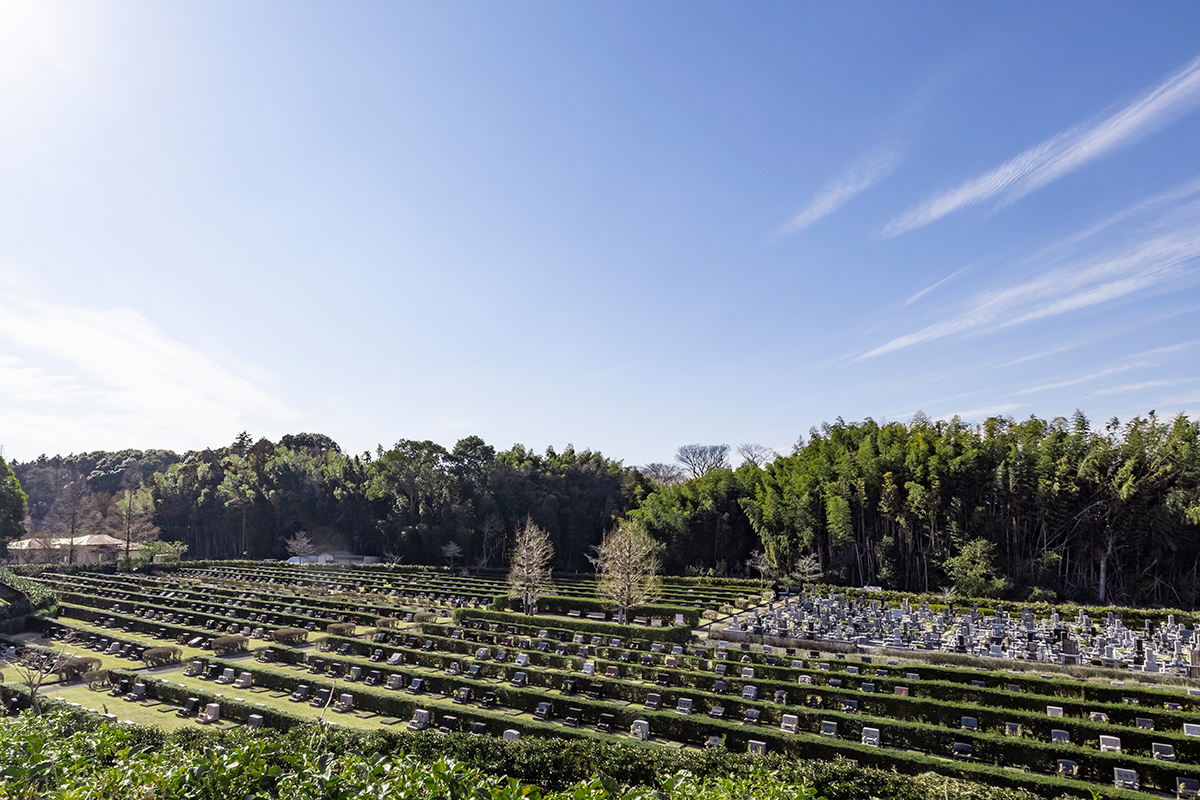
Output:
[[227, 645], [95, 675], [291, 636], [341, 628], [158, 656], [73, 668]]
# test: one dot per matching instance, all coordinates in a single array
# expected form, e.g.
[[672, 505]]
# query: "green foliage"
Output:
[[290, 635], [973, 570], [1069, 511], [40, 596], [226, 645], [12, 506], [554, 604], [668, 633], [72, 668], [410, 501], [171, 551], [1058, 508], [158, 656], [74, 755], [701, 522]]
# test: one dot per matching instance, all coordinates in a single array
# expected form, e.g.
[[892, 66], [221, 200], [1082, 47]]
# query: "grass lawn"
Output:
[[102, 702]]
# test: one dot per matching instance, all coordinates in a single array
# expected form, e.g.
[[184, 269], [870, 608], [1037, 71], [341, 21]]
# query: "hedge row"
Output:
[[128, 586], [993, 705], [986, 714], [896, 707], [898, 732], [557, 763], [555, 604], [675, 634], [138, 598], [666, 723], [982, 713]]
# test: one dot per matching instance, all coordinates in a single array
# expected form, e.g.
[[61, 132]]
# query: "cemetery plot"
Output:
[[436, 653]]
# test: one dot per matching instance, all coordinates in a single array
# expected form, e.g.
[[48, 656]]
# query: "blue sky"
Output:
[[625, 226]]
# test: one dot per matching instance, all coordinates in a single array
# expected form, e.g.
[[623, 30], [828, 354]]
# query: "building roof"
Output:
[[63, 542]]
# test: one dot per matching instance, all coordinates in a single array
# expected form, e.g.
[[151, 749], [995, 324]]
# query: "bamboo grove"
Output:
[[1033, 509]]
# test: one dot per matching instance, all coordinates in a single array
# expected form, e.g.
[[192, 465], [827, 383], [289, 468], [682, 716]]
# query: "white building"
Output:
[[95, 548]]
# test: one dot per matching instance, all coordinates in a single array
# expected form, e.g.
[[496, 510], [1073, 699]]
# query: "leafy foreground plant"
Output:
[[62, 756]]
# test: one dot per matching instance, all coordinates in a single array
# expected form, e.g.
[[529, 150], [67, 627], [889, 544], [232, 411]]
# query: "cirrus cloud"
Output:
[[73, 377], [1063, 152]]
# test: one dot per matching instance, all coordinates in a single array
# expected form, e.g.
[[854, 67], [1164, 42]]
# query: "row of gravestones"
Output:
[[1169, 648]]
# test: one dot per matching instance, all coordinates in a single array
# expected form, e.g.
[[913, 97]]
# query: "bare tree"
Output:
[[807, 569], [34, 665], [699, 459], [628, 561], [136, 510], [452, 551], [492, 531], [756, 454], [38, 547], [73, 513], [392, 560], [664, 474], [762, 565], [300, 545], [529, 570]]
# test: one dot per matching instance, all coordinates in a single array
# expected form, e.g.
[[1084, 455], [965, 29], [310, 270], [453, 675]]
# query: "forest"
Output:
[[1034, 509]]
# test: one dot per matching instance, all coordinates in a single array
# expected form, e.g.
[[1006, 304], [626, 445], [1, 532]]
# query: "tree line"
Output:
[[1032, 509], [413, 503]]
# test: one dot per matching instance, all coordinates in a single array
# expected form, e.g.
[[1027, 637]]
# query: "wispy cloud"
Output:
[[1137, 387], [865, 174], [83, 377], [980, 414], [1079, 379], [1093, 270], [1064, 152], [35, 37], [931, 287]]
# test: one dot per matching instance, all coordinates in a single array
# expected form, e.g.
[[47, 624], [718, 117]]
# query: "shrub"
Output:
[[341, 628], [73, 668], [292, 636], [158, 656], [95, 675], [226, 645]]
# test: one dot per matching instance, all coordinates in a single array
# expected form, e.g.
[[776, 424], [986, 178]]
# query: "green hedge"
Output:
[[678, 635], [554, 604], [897, 732], [158, 656]]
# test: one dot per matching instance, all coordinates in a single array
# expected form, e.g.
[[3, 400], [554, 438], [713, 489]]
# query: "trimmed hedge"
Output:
[[661, 722], [291, 636], [226, 645], [73, 668], [678, 635], [553, 604], [158, 656], [898, 733]]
